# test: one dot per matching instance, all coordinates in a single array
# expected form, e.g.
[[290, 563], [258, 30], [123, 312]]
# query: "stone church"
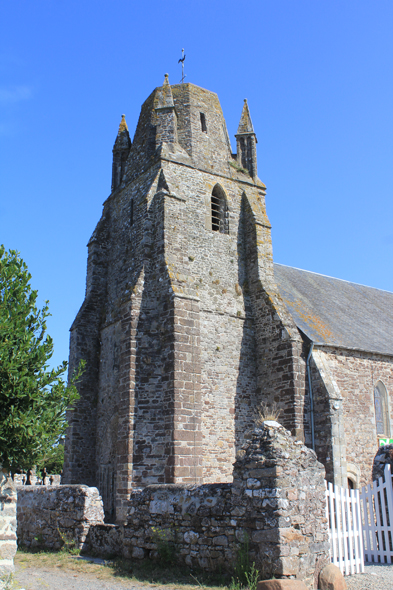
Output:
[[187, 324]]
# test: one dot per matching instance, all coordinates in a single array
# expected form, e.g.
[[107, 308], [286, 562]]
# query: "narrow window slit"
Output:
[[132, 212], [203, 122]]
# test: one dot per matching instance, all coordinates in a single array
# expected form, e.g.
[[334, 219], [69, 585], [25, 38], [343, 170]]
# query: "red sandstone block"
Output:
[[179, 374], [182, 347], [189, 426], [185, 435], [281, 585], [183, 304], [180, 313], [182, 472], [331, 578], [186, 322], [187, 461], [184, 450], [192, 367]]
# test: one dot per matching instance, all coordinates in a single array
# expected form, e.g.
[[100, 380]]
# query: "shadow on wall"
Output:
[[274, 352], [247, 393], [153, 448], [322, 420]]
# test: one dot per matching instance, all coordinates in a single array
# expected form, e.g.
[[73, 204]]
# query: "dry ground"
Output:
[[61, 571]]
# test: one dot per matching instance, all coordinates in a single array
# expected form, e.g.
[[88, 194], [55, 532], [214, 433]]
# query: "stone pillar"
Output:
[[186, 466], [330, 432], [283, 485], [8, 545]]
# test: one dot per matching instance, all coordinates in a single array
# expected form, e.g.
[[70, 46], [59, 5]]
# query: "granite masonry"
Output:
[[51, 516], [275, 508], [274, 512], [8, 543], [187, 325]]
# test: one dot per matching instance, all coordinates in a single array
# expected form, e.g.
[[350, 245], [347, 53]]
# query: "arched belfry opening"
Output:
[[219, 210]]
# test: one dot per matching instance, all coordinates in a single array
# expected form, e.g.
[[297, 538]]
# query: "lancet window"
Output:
[[381, 410], [219, 211]]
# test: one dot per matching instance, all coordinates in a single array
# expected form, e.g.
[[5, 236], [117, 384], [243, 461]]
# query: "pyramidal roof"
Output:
[[123, 140], [245, 125], [123, 125], [164, 95]]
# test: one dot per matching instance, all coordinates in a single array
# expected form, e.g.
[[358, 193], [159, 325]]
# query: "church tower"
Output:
[[182, 327]]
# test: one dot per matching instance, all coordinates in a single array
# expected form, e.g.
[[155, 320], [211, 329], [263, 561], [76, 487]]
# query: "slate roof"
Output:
[[336, 312]]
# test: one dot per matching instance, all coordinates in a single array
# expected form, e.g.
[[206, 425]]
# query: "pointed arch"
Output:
[[381, 407], [219, 210]]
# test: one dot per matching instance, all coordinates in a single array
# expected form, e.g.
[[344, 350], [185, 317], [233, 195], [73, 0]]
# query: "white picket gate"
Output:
[[345, 529], [377, 513], [361, 524]]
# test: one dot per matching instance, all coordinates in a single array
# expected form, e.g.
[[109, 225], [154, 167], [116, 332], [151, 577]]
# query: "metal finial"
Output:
[[181, 60]]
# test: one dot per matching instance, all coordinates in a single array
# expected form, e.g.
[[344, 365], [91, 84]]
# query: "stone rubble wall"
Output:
[[274, 510], [50, 516], [8, 544]]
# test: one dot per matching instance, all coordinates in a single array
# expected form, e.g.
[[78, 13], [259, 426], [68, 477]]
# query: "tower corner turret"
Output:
[[121, 149], [246, 141]]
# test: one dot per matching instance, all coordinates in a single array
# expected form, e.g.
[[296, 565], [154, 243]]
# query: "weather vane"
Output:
[[183, 57]]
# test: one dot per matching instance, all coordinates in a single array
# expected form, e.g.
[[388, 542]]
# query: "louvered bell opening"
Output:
[[215, 213]]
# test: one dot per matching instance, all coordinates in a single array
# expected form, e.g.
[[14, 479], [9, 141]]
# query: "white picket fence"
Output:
[[345, 529], [361, 524], [377, 517]]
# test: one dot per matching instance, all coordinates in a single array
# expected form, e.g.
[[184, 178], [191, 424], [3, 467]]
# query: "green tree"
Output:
[[53, 460], [33, 397]]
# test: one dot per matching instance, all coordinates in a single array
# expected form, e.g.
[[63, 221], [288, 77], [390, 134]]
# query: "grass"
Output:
[[265, 411], [238, 167], [146, 572]]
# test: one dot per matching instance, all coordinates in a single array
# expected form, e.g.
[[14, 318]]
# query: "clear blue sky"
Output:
[[318, 76]]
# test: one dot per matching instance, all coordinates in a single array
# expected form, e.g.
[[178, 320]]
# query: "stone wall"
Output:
[[274, 510], [275, 507], [49, 516], [343, 387], [8, 544]]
